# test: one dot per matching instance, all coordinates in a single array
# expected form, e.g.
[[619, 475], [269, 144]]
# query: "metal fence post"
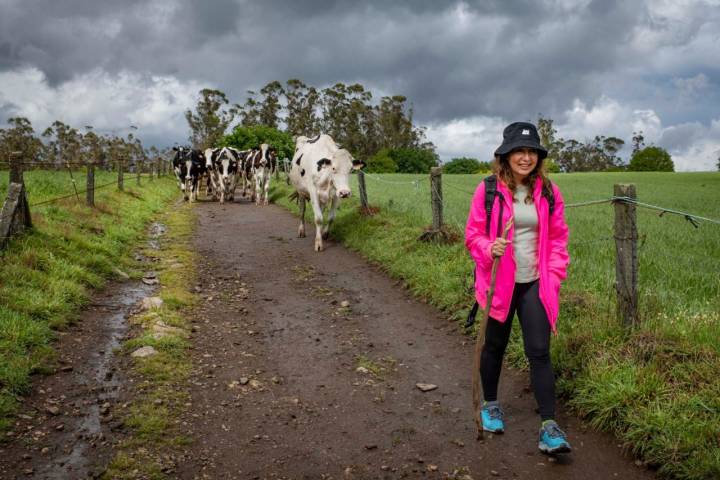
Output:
[[363, 191], [436, 196], [626, 255], [90, 184]]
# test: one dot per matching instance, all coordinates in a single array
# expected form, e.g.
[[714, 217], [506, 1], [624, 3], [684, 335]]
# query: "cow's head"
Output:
[[336, 170]]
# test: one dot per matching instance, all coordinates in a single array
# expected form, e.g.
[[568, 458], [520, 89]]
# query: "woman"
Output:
[[533, 261]]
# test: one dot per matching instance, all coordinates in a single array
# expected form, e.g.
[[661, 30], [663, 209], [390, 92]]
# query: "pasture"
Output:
[[654, 386]]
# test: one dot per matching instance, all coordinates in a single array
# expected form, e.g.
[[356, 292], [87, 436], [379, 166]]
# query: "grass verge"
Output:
[[159, 396], [653, 387], [48, 273]]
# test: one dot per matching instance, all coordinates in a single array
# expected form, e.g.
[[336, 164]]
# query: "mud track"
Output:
[[306, 366]]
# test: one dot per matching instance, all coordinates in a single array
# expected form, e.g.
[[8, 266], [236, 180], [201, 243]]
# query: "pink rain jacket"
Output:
[[553, 256]]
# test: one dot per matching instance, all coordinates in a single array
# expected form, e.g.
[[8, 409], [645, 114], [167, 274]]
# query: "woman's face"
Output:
[[522, 161]]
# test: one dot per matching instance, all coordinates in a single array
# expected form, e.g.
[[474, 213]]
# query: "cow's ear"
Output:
[[358, 165], [175, 148], [322, 162]]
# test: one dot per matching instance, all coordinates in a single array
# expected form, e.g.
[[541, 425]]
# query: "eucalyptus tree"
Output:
[[210, 119]]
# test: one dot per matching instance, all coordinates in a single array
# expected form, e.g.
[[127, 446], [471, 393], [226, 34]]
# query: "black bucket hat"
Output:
[[518, 135]]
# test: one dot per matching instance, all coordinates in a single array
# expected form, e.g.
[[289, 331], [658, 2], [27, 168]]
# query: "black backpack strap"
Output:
[[549, 194], [490, 194]]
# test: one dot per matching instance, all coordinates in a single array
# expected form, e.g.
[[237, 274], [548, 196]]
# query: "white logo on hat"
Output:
[[526, 132]]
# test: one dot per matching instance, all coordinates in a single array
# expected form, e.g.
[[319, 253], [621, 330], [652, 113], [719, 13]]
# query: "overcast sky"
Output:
[[469, 68]]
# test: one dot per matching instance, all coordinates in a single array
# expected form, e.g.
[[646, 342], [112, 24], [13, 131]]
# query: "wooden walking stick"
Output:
[[480, 338]]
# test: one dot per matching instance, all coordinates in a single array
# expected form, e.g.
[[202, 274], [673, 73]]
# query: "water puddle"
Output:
[[103, 382]]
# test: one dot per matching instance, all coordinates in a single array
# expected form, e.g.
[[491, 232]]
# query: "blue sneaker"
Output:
[[492, 418], [552, 439]]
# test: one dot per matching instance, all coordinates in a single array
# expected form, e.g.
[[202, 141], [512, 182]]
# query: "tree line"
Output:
[[599, 154], [379, 132], [61, 144]]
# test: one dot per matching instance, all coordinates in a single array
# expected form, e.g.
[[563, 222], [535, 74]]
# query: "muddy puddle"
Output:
[[67, 424]]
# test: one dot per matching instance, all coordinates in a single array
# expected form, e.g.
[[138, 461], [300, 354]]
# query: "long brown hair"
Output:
[[501, 168]]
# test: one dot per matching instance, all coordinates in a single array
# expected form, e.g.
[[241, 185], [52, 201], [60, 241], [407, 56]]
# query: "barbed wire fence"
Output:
[[15, 216], [624, 231]]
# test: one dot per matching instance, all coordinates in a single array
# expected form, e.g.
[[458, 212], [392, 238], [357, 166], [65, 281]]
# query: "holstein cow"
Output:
[[320, 173], [264, 164], [248, 160], [223, 165], [189, 165]]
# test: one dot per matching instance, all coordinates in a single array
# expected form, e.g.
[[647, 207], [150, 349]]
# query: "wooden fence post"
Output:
[[436, 196], [16, 168], [90, 184], [138, 169], [120, 167], [363, 192], [626, 255]]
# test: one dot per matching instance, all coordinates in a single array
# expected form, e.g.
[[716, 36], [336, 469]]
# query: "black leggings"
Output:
[[536, 338]]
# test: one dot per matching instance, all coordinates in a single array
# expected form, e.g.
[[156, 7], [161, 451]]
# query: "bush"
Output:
[[245, 138], [651, 159], [413, 160], [381, 162], [551, 166], [462, 165]]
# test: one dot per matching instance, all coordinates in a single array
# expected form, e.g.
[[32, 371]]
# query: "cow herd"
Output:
[[223, 169], [320, 174]]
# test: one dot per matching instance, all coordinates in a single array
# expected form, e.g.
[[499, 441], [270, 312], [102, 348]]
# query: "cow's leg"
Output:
[[317, 211], [267, 188], [258, 189], [331, 217], [301, 206]]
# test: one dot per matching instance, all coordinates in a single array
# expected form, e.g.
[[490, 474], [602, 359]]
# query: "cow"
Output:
[[320, 173], [223, 166], [189, 165], [264, 166], [248, 180]]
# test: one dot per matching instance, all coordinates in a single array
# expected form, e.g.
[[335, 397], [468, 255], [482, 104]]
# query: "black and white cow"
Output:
[[264, 166], [320, 172], [247, 170], [223, 166], [189, 166]]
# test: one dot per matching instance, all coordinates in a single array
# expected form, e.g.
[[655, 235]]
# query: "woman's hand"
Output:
[[498, 247]]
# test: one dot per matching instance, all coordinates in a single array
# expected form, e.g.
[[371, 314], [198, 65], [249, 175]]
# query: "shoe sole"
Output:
[[493, 431], [552, 451]]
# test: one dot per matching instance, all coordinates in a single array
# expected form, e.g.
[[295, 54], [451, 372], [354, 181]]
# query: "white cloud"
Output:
[[155, 104], [693, 146]]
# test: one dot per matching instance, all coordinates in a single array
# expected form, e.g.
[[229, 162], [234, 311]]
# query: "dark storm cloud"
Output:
[[450, 59], [453, 60]]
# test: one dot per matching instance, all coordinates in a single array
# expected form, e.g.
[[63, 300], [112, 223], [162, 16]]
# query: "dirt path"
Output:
[[66, 426], [276, 391]]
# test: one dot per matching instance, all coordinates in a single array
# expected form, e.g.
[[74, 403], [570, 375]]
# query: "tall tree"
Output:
[[210, 119], [250, 111], [269, 108], [302, 105], [63, 144], [638, 141], [334, 108], [20, 137]]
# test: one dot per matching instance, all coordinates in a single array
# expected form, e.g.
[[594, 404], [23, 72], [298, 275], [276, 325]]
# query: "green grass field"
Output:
[[655, 387], [47, 274]]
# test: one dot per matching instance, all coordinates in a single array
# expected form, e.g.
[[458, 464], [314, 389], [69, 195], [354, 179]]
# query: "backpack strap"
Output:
[[549, 194], [490, 193]]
